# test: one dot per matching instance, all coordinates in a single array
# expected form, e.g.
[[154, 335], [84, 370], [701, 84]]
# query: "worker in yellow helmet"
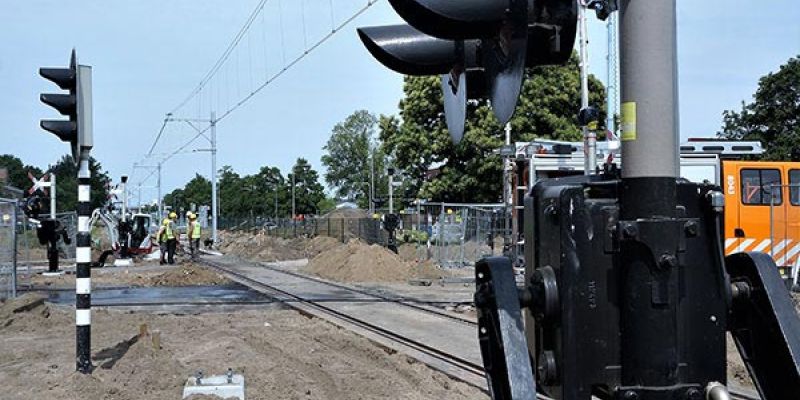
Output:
[[193, 232], [171, 236], [161, 236]]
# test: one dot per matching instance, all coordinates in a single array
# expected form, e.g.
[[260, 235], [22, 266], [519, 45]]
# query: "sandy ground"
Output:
[[282, 355], [141, 274]]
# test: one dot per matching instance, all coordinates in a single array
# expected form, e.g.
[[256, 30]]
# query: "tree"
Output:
[[196, 192], [470, 172], [67, 184], [308, 191], [773, 117], [273, 185], [18, 172], [231, 202], [326, 205], [352, 157]]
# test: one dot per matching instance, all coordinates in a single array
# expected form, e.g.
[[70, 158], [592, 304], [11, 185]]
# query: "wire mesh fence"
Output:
[[8, 248], [451, 235], [368, 230]]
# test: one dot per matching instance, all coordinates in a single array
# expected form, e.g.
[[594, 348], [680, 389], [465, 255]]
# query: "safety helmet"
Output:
[[165, 221], [192, 216], [189, 215], [172, 215]]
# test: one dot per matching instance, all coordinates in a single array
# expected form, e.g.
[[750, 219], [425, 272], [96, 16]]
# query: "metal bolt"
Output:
[[546, 367], [691, 229], [694, 394], [629, 231], [667, 261], [630, 395]]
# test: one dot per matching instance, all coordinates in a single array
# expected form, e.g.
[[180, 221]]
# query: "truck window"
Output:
[[794, 186], [759, 186]]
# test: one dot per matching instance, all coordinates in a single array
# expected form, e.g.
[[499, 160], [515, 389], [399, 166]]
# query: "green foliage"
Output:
[[66, 180], [469, 172], [326, 205], [349, 152], [266, 193], [308, 191], [18, 172], [197, 191], [773, 117], [67, 184]]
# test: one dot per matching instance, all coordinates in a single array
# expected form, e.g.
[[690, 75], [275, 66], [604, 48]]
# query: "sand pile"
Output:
[[188, 275], [320, 244], [28, 312], [262, 247], [359, 262]]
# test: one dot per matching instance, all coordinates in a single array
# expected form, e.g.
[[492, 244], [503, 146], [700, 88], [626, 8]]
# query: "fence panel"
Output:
[[452, 235], [8, 248]]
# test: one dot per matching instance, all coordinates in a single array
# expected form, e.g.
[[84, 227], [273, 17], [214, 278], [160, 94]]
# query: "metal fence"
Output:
[[455, 234], [8, 248], [69, 221], [368, 230], [452, 235]]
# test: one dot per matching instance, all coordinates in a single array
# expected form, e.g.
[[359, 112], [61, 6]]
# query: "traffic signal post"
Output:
[[77, 131]]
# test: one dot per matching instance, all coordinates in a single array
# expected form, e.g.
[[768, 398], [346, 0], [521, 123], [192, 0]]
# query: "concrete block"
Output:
[[223, 386]]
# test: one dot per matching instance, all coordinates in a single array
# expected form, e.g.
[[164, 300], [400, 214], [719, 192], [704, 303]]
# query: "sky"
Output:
[[147, 56]]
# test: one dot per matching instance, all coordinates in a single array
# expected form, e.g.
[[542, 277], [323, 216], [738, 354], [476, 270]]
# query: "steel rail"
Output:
[[453, 360], [416, 304]]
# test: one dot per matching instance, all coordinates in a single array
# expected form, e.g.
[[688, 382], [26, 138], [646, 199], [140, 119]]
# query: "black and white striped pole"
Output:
[[77, 105], [83, 273]]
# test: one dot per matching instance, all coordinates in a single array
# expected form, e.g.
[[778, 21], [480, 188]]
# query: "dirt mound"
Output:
[[188, 275], [347, 213], [28, 312], [262, 247], [321, 244], [359, 262]]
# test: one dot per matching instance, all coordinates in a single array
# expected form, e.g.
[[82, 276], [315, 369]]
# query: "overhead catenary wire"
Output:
[[269, 78]]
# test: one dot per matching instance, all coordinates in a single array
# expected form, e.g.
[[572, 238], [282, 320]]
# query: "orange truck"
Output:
[[758, 214], [762, 208]]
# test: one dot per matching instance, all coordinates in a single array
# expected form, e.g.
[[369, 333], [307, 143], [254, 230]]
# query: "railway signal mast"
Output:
[[627, 295], [50, 229], [77, 131]]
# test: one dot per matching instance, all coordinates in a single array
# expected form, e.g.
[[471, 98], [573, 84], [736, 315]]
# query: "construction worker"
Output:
[[172, 237], [161, 236], [193, 233]]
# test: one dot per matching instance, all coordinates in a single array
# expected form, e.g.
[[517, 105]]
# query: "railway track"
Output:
[[302, 304], [424, 306]]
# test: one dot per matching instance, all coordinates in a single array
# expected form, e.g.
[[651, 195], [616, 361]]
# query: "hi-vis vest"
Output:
[[195, 234], [168, 231]]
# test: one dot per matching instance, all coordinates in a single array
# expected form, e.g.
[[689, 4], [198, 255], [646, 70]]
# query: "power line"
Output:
[[269, 79], [224, 57]]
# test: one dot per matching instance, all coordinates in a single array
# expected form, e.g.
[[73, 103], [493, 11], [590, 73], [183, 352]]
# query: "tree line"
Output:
[[267, 193], [66, 180]]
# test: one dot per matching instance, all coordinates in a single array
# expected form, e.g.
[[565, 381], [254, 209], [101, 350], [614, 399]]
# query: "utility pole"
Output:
[[611, 85], [214, 198], [371, 179], [157, 167], [212, 140], [293, 184], [589, 135], [507, 193], [391, 190]]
